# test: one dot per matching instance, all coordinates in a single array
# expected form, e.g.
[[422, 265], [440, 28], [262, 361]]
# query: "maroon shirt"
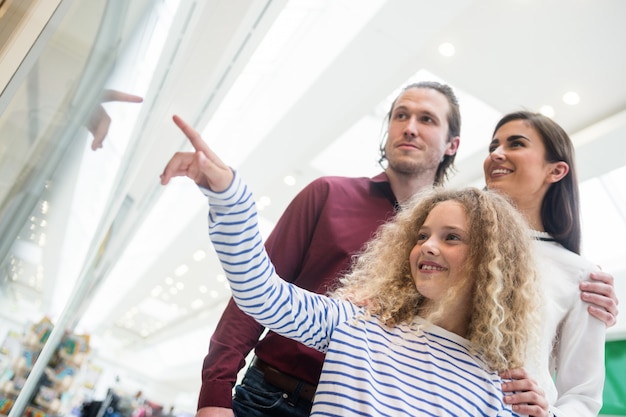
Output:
[[313, 242]]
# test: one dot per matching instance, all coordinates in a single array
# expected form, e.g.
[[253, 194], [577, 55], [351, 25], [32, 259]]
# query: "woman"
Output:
[[531, 160]]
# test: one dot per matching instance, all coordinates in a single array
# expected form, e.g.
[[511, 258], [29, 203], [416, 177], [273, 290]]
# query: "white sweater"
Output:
[[572, 341]]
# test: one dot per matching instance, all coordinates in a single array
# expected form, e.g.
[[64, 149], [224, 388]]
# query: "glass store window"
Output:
[[66, 68]]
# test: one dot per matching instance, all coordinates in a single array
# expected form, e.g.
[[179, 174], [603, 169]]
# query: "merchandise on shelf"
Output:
[[18, 354]]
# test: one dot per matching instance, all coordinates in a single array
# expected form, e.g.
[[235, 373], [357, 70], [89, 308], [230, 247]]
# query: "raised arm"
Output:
[[237, 333], [288, 310]]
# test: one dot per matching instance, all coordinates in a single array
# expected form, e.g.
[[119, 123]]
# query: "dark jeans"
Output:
[[256, 398]]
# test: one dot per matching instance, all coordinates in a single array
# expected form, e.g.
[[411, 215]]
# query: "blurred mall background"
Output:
[[117, 273]]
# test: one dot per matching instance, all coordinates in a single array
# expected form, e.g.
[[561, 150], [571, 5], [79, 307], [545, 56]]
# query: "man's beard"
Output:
[[412, 168]]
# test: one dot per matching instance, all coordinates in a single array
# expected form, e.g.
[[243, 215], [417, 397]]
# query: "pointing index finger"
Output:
[[192, 134]]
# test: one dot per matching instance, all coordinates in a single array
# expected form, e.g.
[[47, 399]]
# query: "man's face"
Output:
[[417, 139]]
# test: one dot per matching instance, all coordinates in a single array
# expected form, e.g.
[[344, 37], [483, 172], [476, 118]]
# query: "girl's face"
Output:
[[438, 257], [516, 164]]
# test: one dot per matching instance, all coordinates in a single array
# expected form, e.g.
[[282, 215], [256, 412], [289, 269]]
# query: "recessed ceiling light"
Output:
[[156, 291], [571, 98], [199, 255], [181, 270], [447, 49], [263, 202], [547, 111], [289, 180]]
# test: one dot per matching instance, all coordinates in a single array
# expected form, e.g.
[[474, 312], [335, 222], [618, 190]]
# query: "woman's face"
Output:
[[437, 259], [516, 164]]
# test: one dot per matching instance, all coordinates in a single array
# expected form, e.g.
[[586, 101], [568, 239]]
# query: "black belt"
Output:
[[286, 383]]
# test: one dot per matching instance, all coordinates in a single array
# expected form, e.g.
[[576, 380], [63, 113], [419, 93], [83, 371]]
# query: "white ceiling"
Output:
[[278, 88]]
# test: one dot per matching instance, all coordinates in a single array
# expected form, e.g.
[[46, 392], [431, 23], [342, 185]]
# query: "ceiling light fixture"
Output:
[[547, 111], [263, 202], [289, 180], [199, 255], [447, 49], [181, 270], [572, 98]]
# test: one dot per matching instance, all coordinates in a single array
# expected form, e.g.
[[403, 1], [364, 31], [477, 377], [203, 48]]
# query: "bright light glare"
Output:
[[447, 49], [572, 98]]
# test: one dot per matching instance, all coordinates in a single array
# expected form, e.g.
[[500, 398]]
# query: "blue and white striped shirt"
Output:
[[370, 369]]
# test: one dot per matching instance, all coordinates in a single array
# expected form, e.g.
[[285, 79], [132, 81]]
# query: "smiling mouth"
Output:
[[500, 171], [431, 268]]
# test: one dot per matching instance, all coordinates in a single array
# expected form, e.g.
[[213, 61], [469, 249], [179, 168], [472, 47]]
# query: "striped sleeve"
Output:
[[278, 305]]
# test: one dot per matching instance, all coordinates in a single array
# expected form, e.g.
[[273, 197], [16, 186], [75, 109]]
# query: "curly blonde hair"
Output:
[[506, 295]]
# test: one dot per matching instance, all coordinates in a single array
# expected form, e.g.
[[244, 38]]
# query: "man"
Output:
[[327, 223]]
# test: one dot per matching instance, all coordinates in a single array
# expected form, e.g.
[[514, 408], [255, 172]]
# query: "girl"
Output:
[[442, 299]]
